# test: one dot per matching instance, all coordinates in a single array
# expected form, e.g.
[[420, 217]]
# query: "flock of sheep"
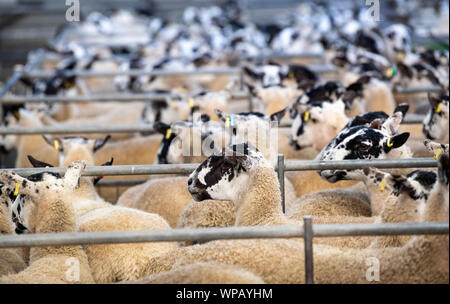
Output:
[[353, 118]]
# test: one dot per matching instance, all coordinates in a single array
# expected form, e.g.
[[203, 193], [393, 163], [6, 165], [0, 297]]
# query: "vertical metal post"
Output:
[[308, 237], [241, 79], [281, 180]]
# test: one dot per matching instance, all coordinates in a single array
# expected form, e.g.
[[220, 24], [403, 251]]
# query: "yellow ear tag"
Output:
[[56, 145], [291, 75], [438, 152], [227, 122], [439, 108], [191, 102], [400, 56], [389, 72], [306, 116], [168, 133], [47, 167], [16, 190], [383, 185], [367, 124], [390, 143]]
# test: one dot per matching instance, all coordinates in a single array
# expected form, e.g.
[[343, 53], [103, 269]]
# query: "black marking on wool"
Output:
[[38, 177], [426, 178]]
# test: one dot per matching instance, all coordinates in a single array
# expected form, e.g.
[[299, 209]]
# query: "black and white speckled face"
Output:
[[398, 41], [224, 176], [359, 142], [436, 123]]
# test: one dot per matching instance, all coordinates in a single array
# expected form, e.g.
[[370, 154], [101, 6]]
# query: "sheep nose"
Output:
[[189, 181]]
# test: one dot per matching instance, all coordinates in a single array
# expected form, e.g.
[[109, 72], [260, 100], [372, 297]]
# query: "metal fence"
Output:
[[281, 167]]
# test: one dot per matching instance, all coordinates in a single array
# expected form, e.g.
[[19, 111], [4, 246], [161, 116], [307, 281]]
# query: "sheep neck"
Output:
[[54, 214], [6, 226], [260, 203]]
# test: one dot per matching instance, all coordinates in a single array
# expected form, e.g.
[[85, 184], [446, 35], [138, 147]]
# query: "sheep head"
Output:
[[436, 123], [225, 175], [76, 148], [362, 142]]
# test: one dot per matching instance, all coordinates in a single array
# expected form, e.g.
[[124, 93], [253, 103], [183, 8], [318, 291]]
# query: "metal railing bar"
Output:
[[293, 165], [210, 234], [140, 72]]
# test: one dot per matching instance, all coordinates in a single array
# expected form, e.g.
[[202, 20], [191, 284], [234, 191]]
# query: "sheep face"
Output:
[[360, 142], [317, 124], [398, 41], [224, 176], [39, 189], [436, 123]]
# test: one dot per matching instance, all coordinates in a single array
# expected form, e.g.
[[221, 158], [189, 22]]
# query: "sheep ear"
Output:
[[101, 142], [37, 163], [403, 108], [397, 141], [278, 115], [251, 72], [108, 163], [221, 114], [161, 127], [56, 143]]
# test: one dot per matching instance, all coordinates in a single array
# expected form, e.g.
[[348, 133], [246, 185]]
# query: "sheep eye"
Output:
[[391, 35], [363, 147], [314, 120]]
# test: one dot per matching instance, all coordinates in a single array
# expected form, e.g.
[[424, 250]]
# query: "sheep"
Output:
[[257, 199], [50, 212], [214, 178], [378, 140], [202, 273], [424, 259], [110, 263], [11, 260], [436, 123], [404, 202]]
